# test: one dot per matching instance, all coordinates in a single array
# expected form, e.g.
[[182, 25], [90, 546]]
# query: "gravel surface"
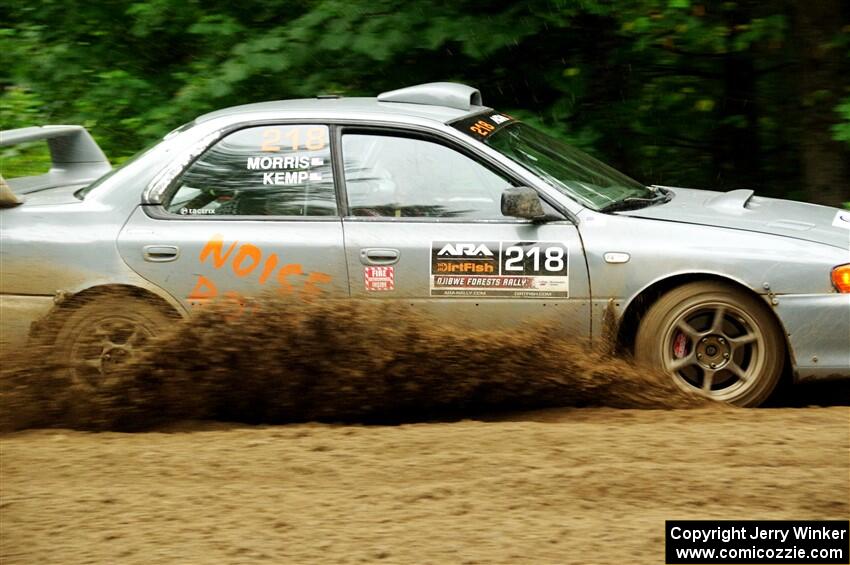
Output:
[[588, 485]]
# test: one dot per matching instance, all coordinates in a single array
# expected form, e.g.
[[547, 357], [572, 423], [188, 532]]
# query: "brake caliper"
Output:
[[680, 345]]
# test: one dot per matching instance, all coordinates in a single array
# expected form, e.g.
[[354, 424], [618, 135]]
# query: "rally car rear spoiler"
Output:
[[76, 160]]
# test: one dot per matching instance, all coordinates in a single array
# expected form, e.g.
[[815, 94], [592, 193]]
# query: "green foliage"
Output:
[[842, 128], [687, 92], [21, 108]]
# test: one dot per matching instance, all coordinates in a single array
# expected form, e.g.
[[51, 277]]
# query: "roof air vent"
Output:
[[449, 94], [733, 200]]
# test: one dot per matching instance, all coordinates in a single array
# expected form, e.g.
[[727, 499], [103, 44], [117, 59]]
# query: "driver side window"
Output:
[[392, 176]]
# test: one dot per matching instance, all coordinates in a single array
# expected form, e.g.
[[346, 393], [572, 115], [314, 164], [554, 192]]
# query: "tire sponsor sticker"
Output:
[[500, 269]]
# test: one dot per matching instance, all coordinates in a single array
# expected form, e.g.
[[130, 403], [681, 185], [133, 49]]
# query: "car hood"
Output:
[[740, 209]]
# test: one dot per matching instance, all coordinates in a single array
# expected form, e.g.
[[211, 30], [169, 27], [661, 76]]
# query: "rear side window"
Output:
[[280, 170]]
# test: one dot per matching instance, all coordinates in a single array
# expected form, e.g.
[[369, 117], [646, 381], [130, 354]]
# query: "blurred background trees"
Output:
[[706, 94]]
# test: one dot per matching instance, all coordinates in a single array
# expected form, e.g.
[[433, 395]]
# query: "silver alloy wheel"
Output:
[[714, 347]]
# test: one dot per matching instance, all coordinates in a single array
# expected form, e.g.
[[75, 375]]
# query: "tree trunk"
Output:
[[737, 151], [826, 174]]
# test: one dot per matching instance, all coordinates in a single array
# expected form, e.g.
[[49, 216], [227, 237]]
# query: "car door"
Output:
[[256, 213], [424, 226]]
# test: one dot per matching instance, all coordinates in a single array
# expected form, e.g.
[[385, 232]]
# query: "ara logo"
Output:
[[465, 250]]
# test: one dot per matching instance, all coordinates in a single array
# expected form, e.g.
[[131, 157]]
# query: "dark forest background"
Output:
[[722, 95]]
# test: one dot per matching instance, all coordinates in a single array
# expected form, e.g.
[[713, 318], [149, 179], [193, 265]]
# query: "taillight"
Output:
[[841, 277]]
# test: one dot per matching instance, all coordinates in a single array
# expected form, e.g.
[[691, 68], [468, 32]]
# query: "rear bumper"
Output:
[[818, 331]]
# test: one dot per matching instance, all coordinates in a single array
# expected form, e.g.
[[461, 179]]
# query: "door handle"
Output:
[[160, 253], [379, 256]]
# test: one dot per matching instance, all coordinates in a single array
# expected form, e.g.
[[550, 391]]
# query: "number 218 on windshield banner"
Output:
[[500, 269]]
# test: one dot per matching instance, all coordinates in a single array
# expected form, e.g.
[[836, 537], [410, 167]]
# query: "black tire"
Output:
[[104, 332], [714, 338]]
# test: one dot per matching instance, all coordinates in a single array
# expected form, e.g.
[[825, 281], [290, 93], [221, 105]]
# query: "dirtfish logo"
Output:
[[465, 250]]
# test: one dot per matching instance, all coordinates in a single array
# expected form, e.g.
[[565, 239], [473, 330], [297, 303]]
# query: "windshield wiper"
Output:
[[635, 202]]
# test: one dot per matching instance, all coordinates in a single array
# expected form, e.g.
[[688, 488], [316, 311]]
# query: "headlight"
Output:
[[841, 277]]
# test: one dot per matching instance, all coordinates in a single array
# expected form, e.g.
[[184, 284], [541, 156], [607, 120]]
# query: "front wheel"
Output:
[[715, 339]]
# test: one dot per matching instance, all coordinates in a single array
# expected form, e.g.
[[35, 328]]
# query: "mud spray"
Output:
[[330, 361]]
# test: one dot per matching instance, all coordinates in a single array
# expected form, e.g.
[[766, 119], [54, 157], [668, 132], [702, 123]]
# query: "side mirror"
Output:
[[522, 202]]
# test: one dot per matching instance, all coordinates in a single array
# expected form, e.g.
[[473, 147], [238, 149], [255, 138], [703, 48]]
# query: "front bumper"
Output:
[[818, 331]]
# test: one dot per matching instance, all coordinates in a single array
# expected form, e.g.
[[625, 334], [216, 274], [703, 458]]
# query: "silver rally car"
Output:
[[426, 196]]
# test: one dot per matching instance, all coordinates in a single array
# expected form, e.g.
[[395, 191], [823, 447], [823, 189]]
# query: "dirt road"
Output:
[[567, 485], [589, 485]]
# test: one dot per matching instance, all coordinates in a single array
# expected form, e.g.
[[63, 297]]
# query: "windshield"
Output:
[[573, 172]]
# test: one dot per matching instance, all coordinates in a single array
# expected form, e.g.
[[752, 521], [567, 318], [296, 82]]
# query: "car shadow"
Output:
[[816, 393]]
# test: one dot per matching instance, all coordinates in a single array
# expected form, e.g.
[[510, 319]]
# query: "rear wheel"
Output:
[[102, 334], [715, 339]]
